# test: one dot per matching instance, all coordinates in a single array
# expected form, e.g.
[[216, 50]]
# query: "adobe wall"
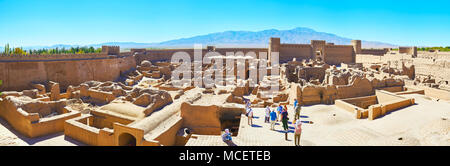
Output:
[[358, 112], [102, 120], [318, 45], [392, 89], [30, 124], [319, 94], [436, 93], [313, 94], [51, 57], [135, 50], [100, 96], [101, 129], [408, 50], [356, 46], [111, 50], [374, 51], [202, 120], [168, 137], [360, 87], [423, 65], [337, 54], [388, 102], [409, 90], [362, 102], [207, 119], [295, 92], [298, 51], [166, 54], [438, 68], [78, 129], [17, 75], [160, 55], [384, 97], [223, 51], [274, 46], [372, 107], [309, 73]]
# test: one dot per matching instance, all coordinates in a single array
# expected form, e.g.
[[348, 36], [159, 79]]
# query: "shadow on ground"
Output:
[[32, 141]]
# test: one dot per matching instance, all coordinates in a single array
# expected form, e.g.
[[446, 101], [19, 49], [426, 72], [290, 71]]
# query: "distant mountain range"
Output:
[[239, 39]]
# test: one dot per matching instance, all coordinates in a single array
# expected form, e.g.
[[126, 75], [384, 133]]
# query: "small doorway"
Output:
[[126, 139]]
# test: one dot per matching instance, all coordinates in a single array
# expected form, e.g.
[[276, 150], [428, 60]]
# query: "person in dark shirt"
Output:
[[284, 119]]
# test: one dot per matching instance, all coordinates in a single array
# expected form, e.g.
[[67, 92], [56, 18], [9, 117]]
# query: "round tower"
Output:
[[356, 46]]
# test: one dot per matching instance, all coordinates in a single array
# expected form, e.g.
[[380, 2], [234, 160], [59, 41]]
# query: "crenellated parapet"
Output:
[[111, 50], [50, 57]]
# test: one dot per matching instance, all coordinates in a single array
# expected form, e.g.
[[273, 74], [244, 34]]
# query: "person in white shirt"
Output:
[[266, 120], [250, 116]]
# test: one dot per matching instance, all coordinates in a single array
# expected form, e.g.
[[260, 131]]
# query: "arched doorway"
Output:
[[126, 139]]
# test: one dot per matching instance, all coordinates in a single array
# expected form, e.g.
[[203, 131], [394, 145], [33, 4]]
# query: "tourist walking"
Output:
[[250, 116], [297, 132], [279, 110], [298, 108], [284, 119], [273, 119], [247, 104], [267, 117]]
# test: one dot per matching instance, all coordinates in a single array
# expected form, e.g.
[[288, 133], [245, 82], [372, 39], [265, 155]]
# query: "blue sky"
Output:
[[48, 22]]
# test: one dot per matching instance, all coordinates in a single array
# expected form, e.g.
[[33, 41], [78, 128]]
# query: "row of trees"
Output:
[[434, 48], [44, 51], [13, 50]]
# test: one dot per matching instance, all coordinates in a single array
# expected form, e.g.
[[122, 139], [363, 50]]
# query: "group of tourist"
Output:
[[273, 116], [281, 114]]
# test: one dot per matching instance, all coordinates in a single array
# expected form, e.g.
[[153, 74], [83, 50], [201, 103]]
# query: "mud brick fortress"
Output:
[[118, 98]]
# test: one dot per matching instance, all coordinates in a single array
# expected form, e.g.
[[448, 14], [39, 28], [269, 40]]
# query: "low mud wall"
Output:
[[17, 75]]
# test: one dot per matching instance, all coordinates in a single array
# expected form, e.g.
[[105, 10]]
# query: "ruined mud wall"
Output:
[[257, 51], [319, 94], [160, 55], [17, 75], [30, 124], [337, 54], [77, 129], [438, 66], [408, 50], [201, 119], [50, 57], [374, 51], [166, 54]]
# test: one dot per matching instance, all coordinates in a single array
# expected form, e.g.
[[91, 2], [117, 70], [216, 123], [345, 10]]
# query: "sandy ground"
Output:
[[425, 123]]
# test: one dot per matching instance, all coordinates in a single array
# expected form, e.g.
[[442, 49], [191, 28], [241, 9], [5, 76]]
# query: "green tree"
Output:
[[7, 48]]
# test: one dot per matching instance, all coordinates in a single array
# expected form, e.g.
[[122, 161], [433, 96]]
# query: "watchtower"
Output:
[[111, 50], [318, 48], [356, 46]]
